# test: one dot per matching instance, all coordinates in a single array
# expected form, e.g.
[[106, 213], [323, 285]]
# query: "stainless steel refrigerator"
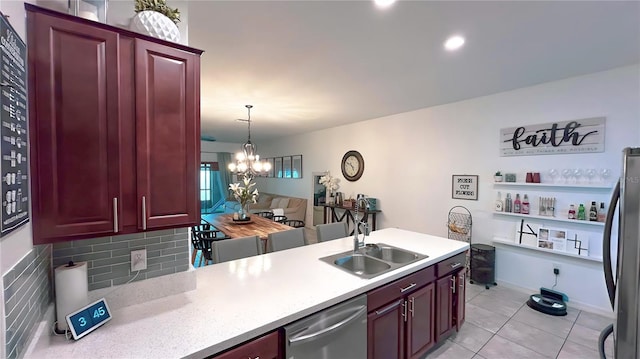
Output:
[[623, 283]]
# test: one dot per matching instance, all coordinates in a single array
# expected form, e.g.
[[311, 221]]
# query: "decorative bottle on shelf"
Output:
[[499, 206], [516, 204], [508, 205], [572, 212], [524, 209], [602, 214], [581, 213], [593, 212]]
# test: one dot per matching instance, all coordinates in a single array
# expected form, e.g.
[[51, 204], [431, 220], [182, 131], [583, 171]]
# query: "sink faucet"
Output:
[[357, 244]]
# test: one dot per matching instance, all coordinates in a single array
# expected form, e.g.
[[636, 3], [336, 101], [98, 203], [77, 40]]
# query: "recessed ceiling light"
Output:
[[454, 43], [384, 3]]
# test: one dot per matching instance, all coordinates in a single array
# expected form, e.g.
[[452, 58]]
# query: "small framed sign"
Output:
[[464, 187], [88, 318], [552, 238]]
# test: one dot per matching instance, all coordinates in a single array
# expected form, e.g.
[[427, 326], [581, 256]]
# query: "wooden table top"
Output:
[[260, 226]]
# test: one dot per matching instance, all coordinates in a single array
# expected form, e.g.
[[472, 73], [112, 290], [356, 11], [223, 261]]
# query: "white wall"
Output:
[[209, 150], [410, 157]]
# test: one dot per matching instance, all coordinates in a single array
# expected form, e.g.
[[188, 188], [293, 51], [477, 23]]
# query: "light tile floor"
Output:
[[500, 325]]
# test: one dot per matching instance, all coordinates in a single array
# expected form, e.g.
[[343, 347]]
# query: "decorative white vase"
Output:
[[155, 24]]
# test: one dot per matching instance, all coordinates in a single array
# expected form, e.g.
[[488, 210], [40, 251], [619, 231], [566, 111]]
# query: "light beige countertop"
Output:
[[239, 300]]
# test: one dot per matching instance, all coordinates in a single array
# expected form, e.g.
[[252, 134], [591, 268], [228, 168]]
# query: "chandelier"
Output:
[[248, 161]]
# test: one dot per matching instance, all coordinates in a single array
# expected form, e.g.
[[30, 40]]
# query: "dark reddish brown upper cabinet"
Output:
[[401, 317], [168, 99], [114, 146], [265, 347]]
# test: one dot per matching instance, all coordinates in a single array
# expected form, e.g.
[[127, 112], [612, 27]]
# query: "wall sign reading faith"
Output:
[[568, 137], [464, 187]]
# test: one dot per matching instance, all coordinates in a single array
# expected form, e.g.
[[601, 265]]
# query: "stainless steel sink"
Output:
[[389, 254], [360, 264], [373, 259]]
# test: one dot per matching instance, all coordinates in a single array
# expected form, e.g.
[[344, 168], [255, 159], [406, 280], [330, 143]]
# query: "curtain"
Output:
[[224, 158]]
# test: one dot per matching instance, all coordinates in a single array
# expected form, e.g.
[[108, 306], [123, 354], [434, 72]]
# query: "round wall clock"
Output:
[[352, 165]]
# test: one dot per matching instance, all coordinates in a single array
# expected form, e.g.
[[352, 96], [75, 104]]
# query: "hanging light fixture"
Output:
[[248, 161]]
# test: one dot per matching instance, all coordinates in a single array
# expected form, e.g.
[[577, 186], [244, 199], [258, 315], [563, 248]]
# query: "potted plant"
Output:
[[155, 18], [331, 183], [498, 176], [245, 196]]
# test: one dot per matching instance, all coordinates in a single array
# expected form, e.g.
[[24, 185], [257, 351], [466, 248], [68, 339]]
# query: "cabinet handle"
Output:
[[455, 265], [461, 280], [404, 310], [412, 307], [144, 214], [115, 214], [402, 290], [453, 284]]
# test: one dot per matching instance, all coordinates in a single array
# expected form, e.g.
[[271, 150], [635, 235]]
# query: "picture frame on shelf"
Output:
[[552, 238], [464, 187]]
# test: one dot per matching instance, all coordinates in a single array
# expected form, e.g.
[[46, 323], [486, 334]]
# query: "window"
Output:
[[211, 194]]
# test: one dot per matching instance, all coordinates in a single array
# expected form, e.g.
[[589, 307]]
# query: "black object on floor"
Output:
[[547, 304], [483, 260]]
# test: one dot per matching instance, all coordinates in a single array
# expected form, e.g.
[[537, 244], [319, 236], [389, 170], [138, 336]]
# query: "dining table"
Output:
[[256, 226]]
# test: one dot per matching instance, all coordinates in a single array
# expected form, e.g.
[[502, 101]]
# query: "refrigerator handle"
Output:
[[606, 245]]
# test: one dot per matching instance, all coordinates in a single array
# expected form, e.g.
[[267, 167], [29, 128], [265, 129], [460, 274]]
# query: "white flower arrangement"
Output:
[[244, 194], [330, 182]]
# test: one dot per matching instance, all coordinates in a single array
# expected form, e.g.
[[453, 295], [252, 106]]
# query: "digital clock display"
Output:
[[88, 318]]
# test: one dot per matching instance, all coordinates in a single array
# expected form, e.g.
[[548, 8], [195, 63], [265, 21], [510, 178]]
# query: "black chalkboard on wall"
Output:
[[13, 131]]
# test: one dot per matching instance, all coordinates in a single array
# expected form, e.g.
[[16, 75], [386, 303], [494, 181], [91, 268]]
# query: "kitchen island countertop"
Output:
[[240, 300]]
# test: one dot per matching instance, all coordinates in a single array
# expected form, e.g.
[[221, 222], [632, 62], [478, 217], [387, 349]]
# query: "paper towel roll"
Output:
[[72, 290]]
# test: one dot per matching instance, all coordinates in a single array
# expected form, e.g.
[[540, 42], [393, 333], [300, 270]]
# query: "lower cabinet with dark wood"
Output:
[[265, 347], [401, 317], [450, 296], [410, 316]]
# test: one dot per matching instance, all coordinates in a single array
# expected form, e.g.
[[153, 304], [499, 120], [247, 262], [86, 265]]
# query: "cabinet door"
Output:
[[74, 128], [420, 321], [444, 306], [460, 298], [168, 124], [265, 347], [385, 327]]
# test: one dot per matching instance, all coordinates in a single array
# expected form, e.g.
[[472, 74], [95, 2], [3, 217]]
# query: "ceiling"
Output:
[[309, 65]]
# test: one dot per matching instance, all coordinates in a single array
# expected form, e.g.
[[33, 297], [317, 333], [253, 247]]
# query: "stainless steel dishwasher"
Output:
[[336, 332]]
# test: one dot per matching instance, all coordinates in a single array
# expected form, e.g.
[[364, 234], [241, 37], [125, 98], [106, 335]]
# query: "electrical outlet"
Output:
[[138, 260], [556, 268]]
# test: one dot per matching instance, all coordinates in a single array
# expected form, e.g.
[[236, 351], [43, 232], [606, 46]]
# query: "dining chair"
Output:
[[198, 246], [279, 219], [329, 231], [293, 223], [291, 238], [202, 236], [236, 248]]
